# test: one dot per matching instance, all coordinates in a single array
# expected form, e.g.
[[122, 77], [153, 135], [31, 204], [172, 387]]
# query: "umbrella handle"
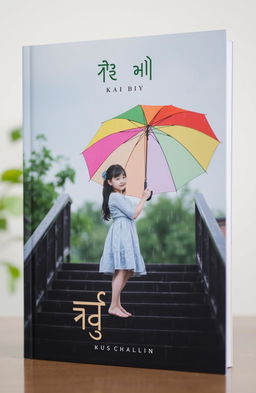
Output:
[[145, 186], [150, 196]]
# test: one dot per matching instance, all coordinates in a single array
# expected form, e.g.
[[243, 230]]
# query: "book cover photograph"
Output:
[[127, 201]]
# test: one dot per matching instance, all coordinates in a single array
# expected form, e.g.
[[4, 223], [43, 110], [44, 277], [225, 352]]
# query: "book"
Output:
[[127, 165]]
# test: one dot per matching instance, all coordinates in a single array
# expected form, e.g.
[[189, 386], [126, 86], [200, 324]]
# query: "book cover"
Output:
[[127, 201]]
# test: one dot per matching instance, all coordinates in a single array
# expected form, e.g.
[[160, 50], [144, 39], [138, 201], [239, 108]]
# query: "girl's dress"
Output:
[[121, 248]]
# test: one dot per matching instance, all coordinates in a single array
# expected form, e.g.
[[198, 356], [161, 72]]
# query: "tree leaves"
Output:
[[40, 188], [166, 232]]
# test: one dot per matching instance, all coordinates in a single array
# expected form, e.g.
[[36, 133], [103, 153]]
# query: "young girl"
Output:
[[121, 255]]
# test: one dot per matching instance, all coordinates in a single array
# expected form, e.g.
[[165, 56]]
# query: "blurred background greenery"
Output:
[[166, 232], [40, 189], [10, 205]]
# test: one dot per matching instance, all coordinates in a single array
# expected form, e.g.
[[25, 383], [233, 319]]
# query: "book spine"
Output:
[[27, 149], [229, 116]]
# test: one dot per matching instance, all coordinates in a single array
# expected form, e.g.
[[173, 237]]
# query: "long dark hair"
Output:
[[112, 171]]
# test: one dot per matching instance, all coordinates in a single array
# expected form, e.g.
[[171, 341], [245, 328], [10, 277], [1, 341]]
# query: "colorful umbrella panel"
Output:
[[164, 145]]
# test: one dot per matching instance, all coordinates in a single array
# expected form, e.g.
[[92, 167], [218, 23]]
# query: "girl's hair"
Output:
[[112, 171]]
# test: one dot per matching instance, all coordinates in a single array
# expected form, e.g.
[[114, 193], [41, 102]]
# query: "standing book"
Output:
[[127, 201]]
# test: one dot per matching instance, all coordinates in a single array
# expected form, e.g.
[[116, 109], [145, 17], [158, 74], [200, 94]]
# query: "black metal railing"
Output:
[[46, 249], [211, 258]]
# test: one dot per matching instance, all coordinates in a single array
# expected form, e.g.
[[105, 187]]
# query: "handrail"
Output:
[[44, 225], [211, 258], [213, 227], [44, 251]]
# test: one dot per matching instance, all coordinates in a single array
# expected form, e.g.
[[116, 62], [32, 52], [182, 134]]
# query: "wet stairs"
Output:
[[171, 327]]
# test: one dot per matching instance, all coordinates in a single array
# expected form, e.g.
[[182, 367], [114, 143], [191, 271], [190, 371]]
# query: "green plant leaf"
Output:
[[13, 275], [16, 134], [12, 176], [3, 224], [40, 190], [13, 204]]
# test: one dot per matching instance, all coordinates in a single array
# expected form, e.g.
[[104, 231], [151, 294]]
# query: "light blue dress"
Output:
[[121, 248]]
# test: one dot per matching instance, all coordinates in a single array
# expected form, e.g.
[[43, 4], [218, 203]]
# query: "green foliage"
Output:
[[166, 232], [88, 233], [12, 176], [13, 274], [15, 134], [40, 194], [10, 205]]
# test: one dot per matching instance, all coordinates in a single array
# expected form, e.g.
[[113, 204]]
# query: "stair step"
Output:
[[69, 274], [192, 338], [138, 297], [156, 357], [149, 267], [169, 309], [147, 309], [149, 286], [135, 321]]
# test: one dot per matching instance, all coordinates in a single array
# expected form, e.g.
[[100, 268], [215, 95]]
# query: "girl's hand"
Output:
[[146, 194]]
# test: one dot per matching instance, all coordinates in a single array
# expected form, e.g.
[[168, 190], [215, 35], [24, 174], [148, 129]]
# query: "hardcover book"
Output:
[[127, 201]]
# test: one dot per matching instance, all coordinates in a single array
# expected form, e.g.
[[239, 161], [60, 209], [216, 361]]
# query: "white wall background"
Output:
[[54, 21]]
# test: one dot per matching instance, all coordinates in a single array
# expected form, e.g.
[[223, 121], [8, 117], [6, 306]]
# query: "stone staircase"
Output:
[[172, 325]]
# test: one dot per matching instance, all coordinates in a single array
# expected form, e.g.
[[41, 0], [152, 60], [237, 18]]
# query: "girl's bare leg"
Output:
[[117, 284], [126, 278]]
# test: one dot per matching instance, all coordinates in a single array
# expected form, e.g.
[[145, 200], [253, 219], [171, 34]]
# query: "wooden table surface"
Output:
[[42, 376]]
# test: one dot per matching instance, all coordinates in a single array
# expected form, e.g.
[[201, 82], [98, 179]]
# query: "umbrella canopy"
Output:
[[160, 147]]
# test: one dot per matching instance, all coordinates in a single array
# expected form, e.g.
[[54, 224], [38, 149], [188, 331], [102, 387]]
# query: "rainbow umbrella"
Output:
[[161, 148]]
